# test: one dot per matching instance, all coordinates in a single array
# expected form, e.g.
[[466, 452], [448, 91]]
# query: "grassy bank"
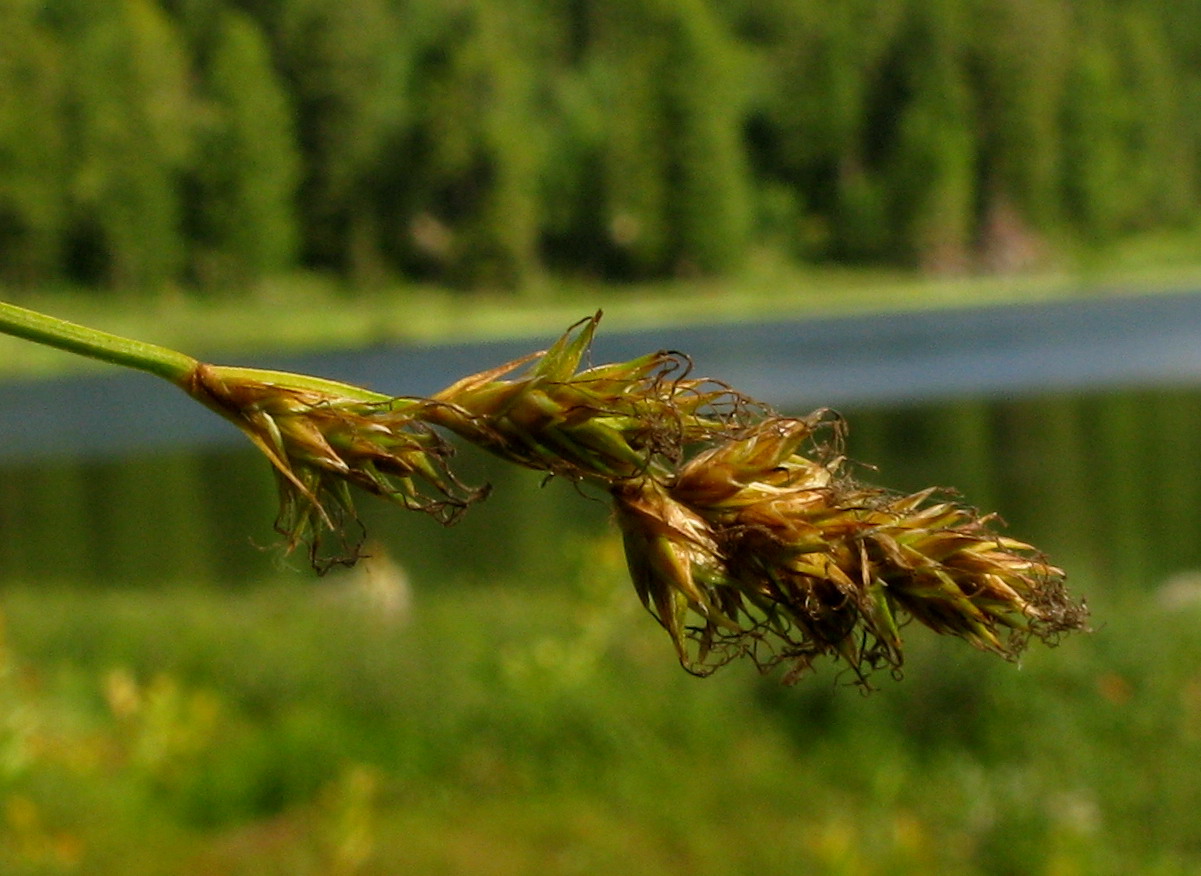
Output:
[[307, 313], [512, 729]]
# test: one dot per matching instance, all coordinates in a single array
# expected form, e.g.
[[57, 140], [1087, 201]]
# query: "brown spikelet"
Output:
[[320, 445], [803, 561], [603, 424]]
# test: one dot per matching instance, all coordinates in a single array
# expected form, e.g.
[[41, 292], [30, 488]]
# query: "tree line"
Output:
[[211, 143]]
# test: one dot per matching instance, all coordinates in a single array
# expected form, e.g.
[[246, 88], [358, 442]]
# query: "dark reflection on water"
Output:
[[1108, 484]]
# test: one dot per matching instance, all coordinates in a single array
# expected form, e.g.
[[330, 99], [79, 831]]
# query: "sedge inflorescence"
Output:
[[744, 532]]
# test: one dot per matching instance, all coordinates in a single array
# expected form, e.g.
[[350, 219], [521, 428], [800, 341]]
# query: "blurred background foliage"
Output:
[[212, 143]]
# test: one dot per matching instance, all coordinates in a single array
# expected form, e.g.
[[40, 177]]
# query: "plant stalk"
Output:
[[83, 341], [161, 361]]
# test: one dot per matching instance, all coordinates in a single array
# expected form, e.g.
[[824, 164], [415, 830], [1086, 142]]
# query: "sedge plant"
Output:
[[744, 531]]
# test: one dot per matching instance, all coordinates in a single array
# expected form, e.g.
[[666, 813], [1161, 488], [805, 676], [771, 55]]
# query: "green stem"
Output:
[[84, 341], [161, 361]]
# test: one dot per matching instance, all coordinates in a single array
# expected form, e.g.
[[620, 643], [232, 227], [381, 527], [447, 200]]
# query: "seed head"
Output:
[[603, 424], [743, 531]]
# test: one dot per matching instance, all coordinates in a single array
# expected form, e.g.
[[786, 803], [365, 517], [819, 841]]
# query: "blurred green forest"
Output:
[[209, 144]]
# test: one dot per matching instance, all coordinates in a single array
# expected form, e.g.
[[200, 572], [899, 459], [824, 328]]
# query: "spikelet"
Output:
[[603, 424], [800, 561], [321, 444]]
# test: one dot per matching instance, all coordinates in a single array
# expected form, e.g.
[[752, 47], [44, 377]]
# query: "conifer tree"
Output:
[[347, 65], [710, 206], [1131, 162], [476, 145], [824, 68], [247, 166], [33, 195], [1092, 138], [1019, 49], [1159, 180], [932, 168], [675, 179], [130, 137], [626, 65], [147, 141], [572, 228]]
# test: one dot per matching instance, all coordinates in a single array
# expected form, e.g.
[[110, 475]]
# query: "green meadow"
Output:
[[516, 728]]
